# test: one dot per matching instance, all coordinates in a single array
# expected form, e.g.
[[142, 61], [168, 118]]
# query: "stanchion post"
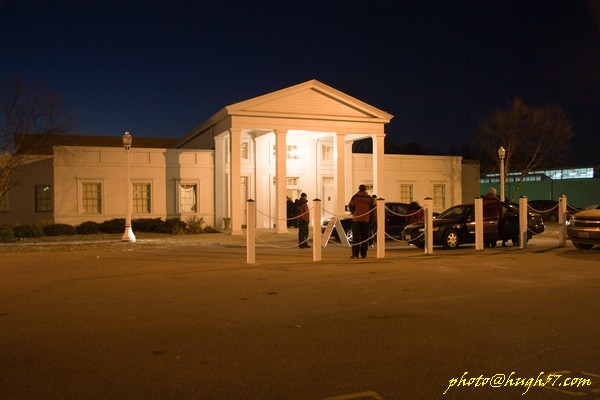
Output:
[[380, 228], [562, 221], [251, 232], [479, 224], [523, 211], [316, 244], [428, 225]]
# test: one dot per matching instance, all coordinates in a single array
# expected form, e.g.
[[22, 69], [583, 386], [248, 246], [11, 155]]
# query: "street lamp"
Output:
[[502, 155], [128, 235]]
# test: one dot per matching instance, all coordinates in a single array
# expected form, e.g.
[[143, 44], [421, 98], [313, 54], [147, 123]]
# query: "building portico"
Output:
[[275, 146]]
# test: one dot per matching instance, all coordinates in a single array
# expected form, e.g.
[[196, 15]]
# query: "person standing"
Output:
[[303, 220], [361, 205], [492, 208]]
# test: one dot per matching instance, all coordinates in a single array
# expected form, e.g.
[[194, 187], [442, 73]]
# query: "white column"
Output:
[[479, 245], [562, 221], [523, 222], [380, 228], [251, 232], [221, 189], [339, 173], [281, 179], [236, 181], [428, 225], [378, 165], [316, 220], [349, 186]]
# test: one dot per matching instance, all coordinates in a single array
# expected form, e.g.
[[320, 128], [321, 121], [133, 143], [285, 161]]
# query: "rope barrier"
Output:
[[364, 241], [404, 215], [402, 240], [333, 215], [542, 211], [284, 219], [281, 247]]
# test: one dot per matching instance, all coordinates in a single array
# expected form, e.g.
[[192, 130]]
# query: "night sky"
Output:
[[158, 69]]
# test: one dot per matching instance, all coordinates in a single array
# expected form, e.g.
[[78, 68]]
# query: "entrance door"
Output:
[[328, 203]]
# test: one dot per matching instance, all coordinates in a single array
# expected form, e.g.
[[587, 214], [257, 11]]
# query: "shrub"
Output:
[[116, 225], [148, 225], [6, 234], [194, 225], [88, 228], [59, 230], [211, 229], [28, 231], [174, 226]]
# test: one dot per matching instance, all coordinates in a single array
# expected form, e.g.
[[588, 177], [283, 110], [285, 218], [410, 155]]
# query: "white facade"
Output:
[[295, 140]]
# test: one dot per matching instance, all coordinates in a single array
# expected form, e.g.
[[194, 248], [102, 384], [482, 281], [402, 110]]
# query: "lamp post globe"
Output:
[[128, 235]]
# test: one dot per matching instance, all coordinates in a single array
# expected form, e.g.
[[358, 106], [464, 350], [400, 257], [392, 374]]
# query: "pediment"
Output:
[[311, 99]]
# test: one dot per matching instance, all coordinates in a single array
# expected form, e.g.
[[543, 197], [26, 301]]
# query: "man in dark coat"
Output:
[[361, 205], [303, 220]]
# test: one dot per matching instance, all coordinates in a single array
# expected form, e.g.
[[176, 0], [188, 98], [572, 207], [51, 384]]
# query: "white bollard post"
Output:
[[479, 245], [523, 214], [562, 221], [380, 228], [428, 225], [316, 221], [251, 232]]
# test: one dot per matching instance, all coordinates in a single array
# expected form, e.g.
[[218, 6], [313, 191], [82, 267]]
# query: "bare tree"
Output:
[[534, 137], [28, 114]]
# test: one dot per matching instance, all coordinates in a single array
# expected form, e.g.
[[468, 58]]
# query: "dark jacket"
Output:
[[360, 206]]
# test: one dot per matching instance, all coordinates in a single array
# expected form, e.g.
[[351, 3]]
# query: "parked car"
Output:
[[395, 221], [456, 226], [583, 228], [548, 209]]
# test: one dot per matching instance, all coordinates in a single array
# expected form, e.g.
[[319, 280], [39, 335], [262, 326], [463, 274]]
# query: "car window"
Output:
[[452, 213], [395, 209]]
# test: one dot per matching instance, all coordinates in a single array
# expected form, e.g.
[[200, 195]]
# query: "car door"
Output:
[[490, 226], [395, 219]]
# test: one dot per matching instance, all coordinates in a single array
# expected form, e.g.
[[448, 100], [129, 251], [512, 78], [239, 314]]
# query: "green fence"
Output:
[[580, 192]]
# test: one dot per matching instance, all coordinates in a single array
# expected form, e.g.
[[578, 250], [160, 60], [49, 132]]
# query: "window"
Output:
[[292, 182], [187, 198], [439, 196], [406, 193], [43, 198], [91, 198], [326, 153], [292, 152], [245, 150], [141, 198]]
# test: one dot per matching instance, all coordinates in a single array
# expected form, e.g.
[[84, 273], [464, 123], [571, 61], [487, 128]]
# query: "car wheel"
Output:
[[450, 239], [583, 246], [349, 235]]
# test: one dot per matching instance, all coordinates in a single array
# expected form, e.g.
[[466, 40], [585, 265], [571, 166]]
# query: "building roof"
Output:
[[42, 144], [308, 101]]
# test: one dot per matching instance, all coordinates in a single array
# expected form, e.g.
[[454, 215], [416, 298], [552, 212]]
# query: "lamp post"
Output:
[[502, 155], [128, 235]]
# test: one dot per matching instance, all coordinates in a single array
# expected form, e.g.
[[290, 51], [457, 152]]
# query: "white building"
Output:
[[298, 139]]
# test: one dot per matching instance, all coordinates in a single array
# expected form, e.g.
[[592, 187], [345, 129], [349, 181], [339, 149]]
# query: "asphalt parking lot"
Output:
[[188, 318]]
